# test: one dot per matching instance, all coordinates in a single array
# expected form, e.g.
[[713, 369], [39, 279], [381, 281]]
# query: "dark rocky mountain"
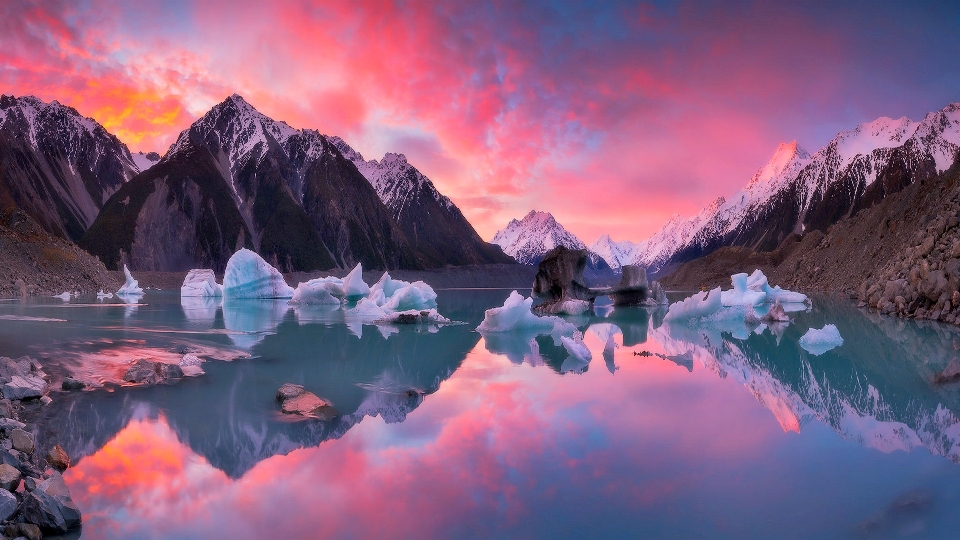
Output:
[[237, 178], [57, 166], [430, 220]]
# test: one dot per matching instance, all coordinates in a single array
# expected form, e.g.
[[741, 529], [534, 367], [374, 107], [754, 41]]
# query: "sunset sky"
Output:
[[613, 116]]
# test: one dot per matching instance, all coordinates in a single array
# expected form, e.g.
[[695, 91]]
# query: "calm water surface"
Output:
[[720, 431]]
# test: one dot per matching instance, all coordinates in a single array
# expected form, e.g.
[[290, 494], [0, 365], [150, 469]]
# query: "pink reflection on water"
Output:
[[498, 447]]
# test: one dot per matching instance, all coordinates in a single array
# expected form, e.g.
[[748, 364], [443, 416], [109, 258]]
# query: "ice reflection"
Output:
[[252, 319], [201, 310]]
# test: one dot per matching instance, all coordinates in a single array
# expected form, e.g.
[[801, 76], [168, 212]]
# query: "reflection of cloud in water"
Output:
[[255, 318], [200, 309]]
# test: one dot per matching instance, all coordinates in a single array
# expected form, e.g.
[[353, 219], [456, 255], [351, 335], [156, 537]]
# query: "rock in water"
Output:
[[951, 373], [72, 384], [201, 283], [633, 288], [560, 275], [145, 371], [249, 276], [295, 400], [131, 287], [50, 505], [58, 459]]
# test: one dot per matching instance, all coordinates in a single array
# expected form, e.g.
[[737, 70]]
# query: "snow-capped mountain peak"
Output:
[[788, 159], [530, 238], [616, 254]]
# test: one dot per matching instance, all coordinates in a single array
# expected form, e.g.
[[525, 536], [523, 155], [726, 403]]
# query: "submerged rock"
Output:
[[295, 400], [147, 372]]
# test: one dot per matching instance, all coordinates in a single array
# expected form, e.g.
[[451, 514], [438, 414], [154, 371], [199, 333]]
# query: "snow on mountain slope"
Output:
[[616, 254], [58, 166], [528, 239], [396, 181], [144, 161]]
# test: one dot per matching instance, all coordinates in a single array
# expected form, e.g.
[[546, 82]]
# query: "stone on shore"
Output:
[[58, 459], [72, 384], [22, 441], [24, 387], [295, 400], [8, 504], [50, 505], [9, 477]]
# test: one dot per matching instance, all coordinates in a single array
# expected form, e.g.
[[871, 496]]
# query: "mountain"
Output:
[[237, 178], [528, 239], [615, 254], [57, 166], [796, 192], [431, 222]]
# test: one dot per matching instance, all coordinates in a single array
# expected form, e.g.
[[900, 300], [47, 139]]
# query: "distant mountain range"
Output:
[[235, 178], [527, 240], [796, 192]]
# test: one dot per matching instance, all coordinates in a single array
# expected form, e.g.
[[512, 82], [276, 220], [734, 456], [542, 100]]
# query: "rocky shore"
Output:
[[34, 499]]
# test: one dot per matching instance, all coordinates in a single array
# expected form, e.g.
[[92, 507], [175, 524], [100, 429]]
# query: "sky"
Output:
[[613, 116]]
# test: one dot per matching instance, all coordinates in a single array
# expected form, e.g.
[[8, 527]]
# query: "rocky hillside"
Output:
[[901, 255], [431, 222], [57, 166], [34, 262]]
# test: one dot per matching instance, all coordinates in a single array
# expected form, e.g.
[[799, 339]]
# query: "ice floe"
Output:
[[249, 276], [201, 283], [353, 284], [131, 287], [516, 314], [818, 341]]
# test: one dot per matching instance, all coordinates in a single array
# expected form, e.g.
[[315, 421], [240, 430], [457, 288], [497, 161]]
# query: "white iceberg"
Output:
[[201, 283], [758, 282], [741, 295], [65, 296], [516, 315], [701, 305], [353, 284], [386, 286], [417, 295], [249, 276], [321, 291], [101, 295], [819, 341], [131, 287]]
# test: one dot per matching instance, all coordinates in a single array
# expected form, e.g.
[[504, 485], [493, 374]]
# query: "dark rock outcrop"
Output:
[[560, 275]]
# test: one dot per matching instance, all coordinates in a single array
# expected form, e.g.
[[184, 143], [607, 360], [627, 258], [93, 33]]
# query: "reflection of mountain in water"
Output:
[[230, 415], [875, 389]]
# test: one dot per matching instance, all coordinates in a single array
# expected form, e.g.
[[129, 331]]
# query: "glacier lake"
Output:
[[670, 431]]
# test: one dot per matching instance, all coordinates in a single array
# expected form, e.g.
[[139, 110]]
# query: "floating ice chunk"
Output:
[[366, 310], [758, 282], [101, 295], [417, 295], [698, 306], [322, 291], [131, 287], [740, 295], [65, 296], [353, 285], [202, 283], [249, 276], [817, 342], [516, 315], [190, 365], [387, 286]]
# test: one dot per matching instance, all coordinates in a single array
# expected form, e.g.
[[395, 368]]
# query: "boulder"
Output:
[[22, 441], [6, 408], [8, 504], [147, 372], [8, 368], [9, 477], [50, 506], [24, 387], [295, 400], [72, 384], [23, 530], [9, 424], [633, 287], [58, 459], [560, 275]]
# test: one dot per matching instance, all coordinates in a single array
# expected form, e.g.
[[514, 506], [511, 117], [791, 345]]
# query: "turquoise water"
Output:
[[676, 432]]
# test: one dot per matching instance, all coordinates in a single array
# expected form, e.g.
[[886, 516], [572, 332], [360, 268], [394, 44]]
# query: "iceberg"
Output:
[[131, 287], [353, 285], [758, 282], [101, 295], [819, 341], [701, 305], [516, 314], [65, 296], [321, 291], [417, 295], [741, 294], [387, 286], [249, 276], [200, 283]]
